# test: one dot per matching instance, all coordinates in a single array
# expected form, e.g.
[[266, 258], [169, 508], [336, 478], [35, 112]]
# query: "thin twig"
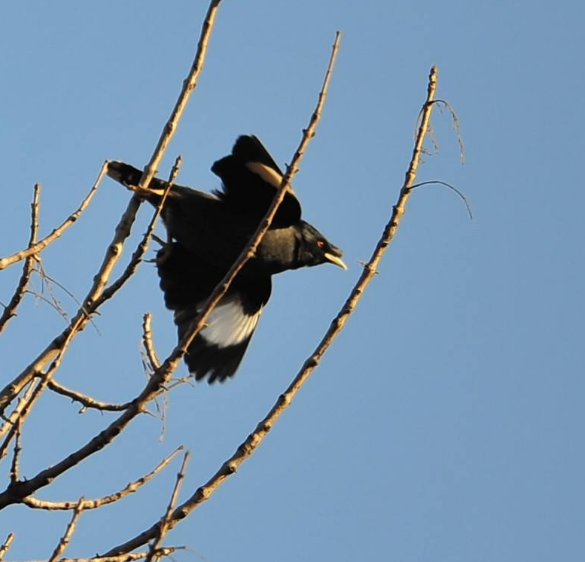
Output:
[[85, 400], [14, 388], [131, 488], [147, 342], [57, 232], [131, 557], [4, 548], [142, 248], [27, 269], [64, 542], [456, 126], [15, 467], [244, 451], [452, 188], [164, 525], [14, 418]]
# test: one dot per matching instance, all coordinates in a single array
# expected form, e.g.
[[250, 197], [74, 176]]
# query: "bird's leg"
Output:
[[163, 254]]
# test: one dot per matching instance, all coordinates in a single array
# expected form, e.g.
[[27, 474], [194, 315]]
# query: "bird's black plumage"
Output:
[[207, 232]]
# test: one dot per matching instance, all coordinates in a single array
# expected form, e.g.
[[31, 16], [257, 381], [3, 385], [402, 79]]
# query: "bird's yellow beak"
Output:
[[335, 260]]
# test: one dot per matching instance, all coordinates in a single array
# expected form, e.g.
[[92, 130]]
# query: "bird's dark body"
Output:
[[207, 233]]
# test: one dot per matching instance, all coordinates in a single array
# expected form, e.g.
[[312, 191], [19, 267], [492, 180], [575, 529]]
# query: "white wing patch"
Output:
[[267, 174], [228, 324]]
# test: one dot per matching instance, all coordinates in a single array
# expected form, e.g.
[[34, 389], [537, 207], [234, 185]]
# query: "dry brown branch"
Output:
[[164, 525], [133, 557], [244, 451], [64, 542], [14, 418], [14, 388], [141, 249], [15, 467], [189, 85], [19, 490], [4, 548], [147, 342], [11, 307], [57, 232], [85, 400], [99, 502], [97, 295]]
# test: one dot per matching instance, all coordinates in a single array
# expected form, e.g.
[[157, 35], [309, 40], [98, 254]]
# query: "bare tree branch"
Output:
[[10, 310], [64, 542], [164, 525], [147, 342], [15, 467], [85, 400], [97, 295], [14, 418], [57, 232], [4, 548], [99, 502], [133, 557]]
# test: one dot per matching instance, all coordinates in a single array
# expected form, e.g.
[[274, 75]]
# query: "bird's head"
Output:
[[314, 249]]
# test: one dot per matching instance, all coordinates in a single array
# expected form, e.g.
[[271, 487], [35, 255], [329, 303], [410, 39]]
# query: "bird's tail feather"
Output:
[[129, 177]]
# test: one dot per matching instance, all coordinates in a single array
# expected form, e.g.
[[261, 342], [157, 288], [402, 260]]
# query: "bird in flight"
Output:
[[206, 234]]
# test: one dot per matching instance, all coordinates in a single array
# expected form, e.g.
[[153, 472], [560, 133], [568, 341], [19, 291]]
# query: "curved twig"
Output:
[[85, 400], [451, 187], [99, 502], [57, 232]]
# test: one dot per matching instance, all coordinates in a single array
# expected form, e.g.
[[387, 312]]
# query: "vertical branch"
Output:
[[4, 548], [164, 525], [189, 85], [15, 467], [64, 542], [10, 310]]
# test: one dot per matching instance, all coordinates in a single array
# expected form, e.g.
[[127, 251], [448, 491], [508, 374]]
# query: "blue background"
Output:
[[446, 422]]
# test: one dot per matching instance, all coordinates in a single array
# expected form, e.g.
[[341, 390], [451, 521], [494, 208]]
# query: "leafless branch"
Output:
[[97, 295], [99, 502], [57, 232], [132, 557], [64, 542], [10, 310], [4, 548], [456, 126], [452, 188], [14, 418], [85, 400], [164, 525], [15, 467], [147, 342]]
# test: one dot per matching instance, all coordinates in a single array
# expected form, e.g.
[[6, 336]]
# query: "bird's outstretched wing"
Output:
[[250, 179], [187, 281]]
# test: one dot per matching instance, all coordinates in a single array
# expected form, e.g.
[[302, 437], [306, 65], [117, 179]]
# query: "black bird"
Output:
[[207, 232]]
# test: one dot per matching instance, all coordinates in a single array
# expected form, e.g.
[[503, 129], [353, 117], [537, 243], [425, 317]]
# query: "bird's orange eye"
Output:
[[320, 243]]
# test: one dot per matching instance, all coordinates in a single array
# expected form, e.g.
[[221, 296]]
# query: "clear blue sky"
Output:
[[446, 422]]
